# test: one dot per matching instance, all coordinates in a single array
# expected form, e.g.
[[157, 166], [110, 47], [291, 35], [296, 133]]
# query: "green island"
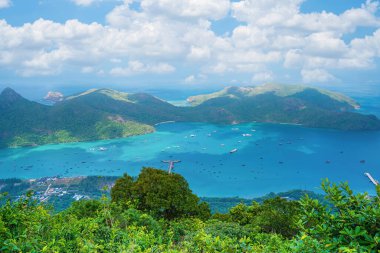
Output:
[[157, 212], [107, 114]]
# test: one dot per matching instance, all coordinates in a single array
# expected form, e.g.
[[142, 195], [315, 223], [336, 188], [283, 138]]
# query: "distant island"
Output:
[[107, 114]]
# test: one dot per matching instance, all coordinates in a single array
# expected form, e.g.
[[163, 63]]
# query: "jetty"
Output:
[[374, 181]]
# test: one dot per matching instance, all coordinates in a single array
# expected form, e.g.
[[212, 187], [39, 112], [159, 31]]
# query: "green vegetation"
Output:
[[223, 205], [106, 114], [161, 194], [93, 187], [82, 118], [278, 90], [113, 129], [308, 107], [349, 223], [64, 189]]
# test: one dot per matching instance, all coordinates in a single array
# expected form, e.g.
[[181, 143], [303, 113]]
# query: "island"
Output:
[[99, 114]]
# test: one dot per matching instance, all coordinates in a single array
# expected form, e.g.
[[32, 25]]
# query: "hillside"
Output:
[[276, 89], [91, 117], [286, 104], [143, 216], [107, 114]]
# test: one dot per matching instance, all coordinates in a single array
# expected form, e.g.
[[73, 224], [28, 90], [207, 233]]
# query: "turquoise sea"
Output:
[[269, 158]]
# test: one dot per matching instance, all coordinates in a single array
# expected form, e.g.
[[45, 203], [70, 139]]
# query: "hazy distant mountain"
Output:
[[106, 114]]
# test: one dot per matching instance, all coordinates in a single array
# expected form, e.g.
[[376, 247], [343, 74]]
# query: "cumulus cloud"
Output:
[[5, 3], [316, 76], [83, 2], [137, 67], [164, 35], [210, 9]]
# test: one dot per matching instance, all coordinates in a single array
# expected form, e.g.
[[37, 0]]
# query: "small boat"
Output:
[[102, 149], [362, 161], [247, 135], [192, 135], [233, 151]]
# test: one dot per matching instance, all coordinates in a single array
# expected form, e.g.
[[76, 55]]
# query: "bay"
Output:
[[269, 157]]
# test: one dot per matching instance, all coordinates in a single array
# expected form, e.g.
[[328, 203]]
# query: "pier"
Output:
[[375, 182]]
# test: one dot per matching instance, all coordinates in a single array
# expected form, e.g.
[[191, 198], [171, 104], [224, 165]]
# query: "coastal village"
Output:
[[58, 190]]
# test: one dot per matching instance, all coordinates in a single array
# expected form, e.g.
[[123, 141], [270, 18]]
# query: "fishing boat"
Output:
[[233, 151]]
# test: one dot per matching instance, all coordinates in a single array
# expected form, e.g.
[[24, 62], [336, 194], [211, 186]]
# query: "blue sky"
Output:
[[192, 44]]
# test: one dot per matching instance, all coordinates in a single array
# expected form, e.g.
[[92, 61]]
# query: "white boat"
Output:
[[247, 135], [233, 151], [192, 135], [102, 149]]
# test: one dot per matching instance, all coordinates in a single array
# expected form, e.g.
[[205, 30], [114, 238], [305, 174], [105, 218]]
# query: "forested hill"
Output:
[[107, 114], [158, 212]]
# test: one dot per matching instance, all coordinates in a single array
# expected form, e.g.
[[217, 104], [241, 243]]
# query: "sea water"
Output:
[[269, 157]]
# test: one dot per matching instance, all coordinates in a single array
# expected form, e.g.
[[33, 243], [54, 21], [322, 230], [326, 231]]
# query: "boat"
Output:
[[192, 135], [247, 135], [233, 151], [102, 149]]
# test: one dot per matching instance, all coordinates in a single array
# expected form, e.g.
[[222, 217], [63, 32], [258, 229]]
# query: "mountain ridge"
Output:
[[279, 90], [107, 114]]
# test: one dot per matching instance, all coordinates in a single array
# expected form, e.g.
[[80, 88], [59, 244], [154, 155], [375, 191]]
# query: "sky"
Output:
[[188, 44]]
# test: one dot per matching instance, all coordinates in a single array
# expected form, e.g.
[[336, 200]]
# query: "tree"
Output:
[[278, 215], [350, 224], [275, 215], [122, 190], [161, 194]]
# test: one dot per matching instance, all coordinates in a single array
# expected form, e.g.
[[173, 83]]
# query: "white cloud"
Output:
[[316, 76], [199, 53], [195, 79], [210, 9], [164, 35], [137, 67], [263, 77], [87, 69], [83, 2], [5, 3], [190, 79]]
